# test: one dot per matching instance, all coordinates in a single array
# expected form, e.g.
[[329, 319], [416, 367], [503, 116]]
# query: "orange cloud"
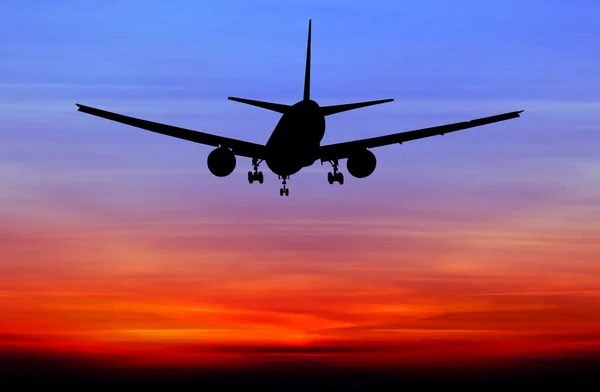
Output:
[[387, 286]]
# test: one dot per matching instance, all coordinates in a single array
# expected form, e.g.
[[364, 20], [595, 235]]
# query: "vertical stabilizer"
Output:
[[307, 70]]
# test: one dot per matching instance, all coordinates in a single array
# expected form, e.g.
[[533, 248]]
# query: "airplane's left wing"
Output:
[[238, 147], [343, 150]]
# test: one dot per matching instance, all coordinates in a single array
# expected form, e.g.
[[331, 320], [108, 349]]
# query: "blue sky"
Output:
[[177, 62]]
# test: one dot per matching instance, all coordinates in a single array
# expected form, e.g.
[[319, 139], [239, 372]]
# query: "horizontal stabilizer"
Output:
[[327, 110], [276, 107]]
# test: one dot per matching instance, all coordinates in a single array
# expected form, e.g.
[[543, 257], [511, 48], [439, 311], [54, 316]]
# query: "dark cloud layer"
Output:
[[36, 370]]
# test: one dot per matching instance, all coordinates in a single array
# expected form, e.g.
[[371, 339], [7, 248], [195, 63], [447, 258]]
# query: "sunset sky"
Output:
[[117, 244]]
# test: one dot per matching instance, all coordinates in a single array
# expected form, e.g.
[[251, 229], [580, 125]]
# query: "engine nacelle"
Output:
[[221, 162], [361, 164]]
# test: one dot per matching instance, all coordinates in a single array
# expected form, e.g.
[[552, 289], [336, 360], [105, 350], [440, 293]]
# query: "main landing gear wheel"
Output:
[[335, 176], [256, 175], [284, 190]]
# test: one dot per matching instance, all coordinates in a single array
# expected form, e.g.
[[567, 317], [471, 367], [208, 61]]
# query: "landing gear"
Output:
[[335, 176], [284, 190], [256, 175]]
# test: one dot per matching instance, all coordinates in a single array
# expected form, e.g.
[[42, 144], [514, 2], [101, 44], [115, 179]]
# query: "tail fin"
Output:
[[328, 110], [307, 70], [278, 107]]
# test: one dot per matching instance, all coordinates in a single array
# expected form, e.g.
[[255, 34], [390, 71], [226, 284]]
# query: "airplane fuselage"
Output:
[[295, 140]]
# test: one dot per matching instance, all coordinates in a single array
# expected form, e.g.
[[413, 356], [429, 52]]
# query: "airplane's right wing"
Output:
[[238, 147], [343, 150]]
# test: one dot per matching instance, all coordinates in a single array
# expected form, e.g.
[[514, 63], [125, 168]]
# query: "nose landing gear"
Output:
[[256, 175], [284, 190]]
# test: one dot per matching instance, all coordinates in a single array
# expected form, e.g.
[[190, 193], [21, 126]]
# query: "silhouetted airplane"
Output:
[[296, 140]]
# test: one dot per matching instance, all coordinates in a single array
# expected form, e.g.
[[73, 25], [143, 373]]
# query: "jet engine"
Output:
[[221, 162], [361, 164]]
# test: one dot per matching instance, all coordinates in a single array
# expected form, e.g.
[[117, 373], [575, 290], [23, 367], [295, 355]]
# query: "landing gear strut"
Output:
[[335, 176], [284, 190], [256, 175]]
